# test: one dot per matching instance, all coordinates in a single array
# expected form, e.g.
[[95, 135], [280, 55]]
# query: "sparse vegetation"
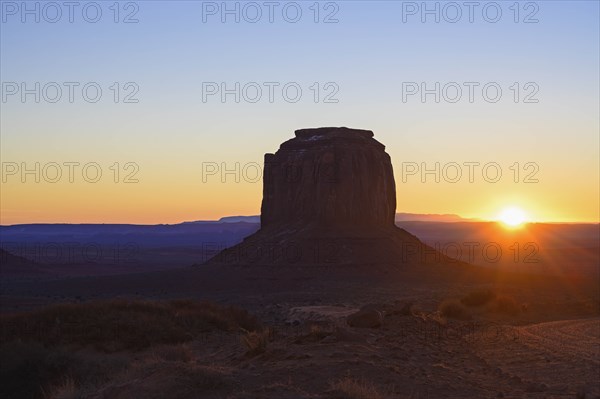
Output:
[[454, 309], [67, 351], [256, 341], [28, 368], [478, 298], [150, 379], [315, 333], [318, 332], [67, 390], [507, 305], [350, 388], [118, 325]]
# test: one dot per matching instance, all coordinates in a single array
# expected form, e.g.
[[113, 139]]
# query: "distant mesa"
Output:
[[431, 217], [240, 219], [329, 197]]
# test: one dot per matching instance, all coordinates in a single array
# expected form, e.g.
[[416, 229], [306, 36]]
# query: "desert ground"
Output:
[[423, 332]]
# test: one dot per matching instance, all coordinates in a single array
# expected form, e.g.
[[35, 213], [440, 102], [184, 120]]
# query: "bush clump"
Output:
[[120, 325], [506, 305], [350, 388], [478, 298], [454, 309]]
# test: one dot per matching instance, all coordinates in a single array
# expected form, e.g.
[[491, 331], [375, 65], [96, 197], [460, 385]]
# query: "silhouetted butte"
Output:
[[329, 197]]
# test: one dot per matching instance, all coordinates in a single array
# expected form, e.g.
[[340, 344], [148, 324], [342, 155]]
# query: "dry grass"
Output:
[[315, 333], [478, 298], [256, 342], [454, 309], [150, 379], [67, 390], [27, 370], [62, 351], [506, 305], [119, 325], [156, 380], [350, 388]]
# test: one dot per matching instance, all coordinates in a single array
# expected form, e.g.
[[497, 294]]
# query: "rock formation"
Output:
[[329, 197], [330, 177]]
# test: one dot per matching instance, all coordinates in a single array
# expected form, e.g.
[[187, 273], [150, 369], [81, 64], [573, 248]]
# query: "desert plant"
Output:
[[28, 369], [478, 297], [318, 332], [155, 379], [66, 390], [256, 341], [454, 309], [507, 305], [113, 326], [350, 388]]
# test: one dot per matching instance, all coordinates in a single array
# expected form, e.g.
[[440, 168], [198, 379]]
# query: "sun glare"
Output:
[[512, 217]]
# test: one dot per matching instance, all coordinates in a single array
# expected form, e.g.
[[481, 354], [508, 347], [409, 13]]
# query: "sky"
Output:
[[126, 112]]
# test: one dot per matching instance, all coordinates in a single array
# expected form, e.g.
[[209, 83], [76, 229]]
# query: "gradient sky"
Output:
[[368, 54]]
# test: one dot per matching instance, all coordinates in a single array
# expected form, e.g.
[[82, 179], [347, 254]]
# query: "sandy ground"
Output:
[[550, 350], [413, 357]]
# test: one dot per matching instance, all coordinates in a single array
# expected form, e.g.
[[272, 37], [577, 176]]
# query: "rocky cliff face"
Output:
[[331, 178], [329, 197]]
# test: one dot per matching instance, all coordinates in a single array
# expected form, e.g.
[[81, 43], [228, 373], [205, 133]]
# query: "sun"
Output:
[[512, 217]]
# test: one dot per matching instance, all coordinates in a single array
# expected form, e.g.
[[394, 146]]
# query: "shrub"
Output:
[[152, 379], [29, 369], [67, 390], [506, 305], [454, 309], [112, 326], [315, 333], [478, 298], [256, 341], [349, 388]]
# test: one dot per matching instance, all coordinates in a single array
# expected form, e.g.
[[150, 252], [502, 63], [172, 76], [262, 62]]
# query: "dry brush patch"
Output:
[[256, 342], [351, 388], [506, 305], [454, 309], [69, 350], [478, 298], [117, 325], [478, 302], [31, 370]]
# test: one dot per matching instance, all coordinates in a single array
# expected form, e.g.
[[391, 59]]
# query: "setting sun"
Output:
[[512, 217]]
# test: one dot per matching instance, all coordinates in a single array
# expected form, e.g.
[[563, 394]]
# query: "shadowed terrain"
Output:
[[326, 298]]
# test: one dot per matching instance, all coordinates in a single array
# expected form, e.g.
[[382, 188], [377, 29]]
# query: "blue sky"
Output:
[[367, 55]]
